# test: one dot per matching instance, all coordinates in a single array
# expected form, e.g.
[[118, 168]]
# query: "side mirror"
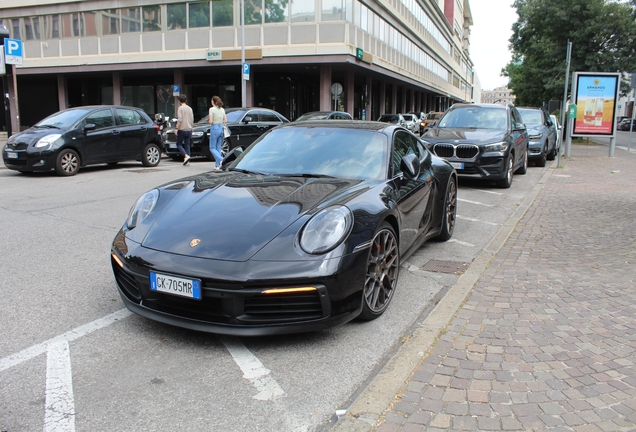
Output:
[[520, 127], [247, 119], [89, 127], [232, 156], [410, 166]]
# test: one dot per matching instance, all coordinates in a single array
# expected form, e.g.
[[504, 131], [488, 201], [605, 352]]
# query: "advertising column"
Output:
[[595, 99]]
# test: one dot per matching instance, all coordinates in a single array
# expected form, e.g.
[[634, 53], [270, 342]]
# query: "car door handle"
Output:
[[115, 132]]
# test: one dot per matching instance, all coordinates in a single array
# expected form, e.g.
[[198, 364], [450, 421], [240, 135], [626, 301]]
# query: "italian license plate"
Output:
[[183, 287], [457, 165], [12, 155], [172, 146]]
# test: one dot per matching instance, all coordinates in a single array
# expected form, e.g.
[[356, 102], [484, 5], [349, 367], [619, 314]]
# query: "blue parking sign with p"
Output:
[[246, 71], [13, 51], [176, 89]]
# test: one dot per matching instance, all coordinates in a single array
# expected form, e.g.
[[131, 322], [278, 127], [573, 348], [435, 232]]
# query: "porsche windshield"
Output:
[[334, 152]]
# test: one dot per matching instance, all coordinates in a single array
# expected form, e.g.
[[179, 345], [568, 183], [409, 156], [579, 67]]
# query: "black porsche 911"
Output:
[[302, 231]]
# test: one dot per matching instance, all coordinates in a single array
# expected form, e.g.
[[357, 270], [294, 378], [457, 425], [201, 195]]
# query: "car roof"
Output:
[[372, 126]]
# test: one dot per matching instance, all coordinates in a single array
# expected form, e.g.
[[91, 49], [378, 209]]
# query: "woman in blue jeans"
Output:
[[217, 120]]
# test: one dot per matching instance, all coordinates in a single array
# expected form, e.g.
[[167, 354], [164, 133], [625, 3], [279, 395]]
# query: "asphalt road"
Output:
[[72, 358]]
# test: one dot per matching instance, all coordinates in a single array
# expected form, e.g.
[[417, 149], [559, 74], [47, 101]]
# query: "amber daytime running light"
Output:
[[289, 290]]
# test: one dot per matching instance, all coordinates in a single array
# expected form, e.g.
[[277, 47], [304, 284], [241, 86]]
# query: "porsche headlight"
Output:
[[197, 134], [45, 142], [326, 230], [142, 208], [497, 147]]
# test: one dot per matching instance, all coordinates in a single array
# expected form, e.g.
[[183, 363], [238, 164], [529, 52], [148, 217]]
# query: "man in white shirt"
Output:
[[185, 123]]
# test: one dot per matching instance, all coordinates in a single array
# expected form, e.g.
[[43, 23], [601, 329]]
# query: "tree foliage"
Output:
[[603, 36]]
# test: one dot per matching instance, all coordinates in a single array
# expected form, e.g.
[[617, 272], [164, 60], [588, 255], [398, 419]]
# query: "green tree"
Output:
[[603, 36]]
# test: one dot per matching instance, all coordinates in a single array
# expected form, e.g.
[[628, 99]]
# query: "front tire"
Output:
[[151, 155], [552, 153], [524, 168], [542, 158], [450, 211], [383, 267], [67, 163], [506, 182]]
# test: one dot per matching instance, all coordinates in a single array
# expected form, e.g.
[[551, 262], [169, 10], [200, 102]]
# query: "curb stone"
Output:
[[365, 411]]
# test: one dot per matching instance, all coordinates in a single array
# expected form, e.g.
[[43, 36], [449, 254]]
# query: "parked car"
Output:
[[431, 118], [559, 131], [304, 230], [81, 136], [541, 133], [245, 124], [624, 124], [412, 123], [325, 115], [396, 119], [487, 141]]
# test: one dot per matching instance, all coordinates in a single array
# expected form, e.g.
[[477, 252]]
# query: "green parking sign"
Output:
[[572, 111]]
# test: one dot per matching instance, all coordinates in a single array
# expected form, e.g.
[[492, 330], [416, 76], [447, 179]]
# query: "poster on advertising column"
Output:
[[595, 96]]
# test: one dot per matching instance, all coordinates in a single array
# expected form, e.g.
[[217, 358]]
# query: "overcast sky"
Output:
[[491, 30]]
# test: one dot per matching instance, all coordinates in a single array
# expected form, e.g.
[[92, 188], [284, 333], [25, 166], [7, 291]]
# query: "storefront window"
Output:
[[130, 20], [199, 14], [176, 16], [222, 13], [303, 10], [152, 18], [110, 22], [332, 10], [276, 11], [253, 12]]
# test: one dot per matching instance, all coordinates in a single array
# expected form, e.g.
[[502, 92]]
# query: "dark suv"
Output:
[[541, 134], [486, 141]]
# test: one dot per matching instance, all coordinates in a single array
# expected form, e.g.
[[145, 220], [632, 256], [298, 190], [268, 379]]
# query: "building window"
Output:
[[332, 10], [199, 15], [152, 18], [276, 11], [253, 11], [130, 20], [15, 29], [176, 16], [32, 28], [110, 22], [222, 13], [79, 24], [303, 10], [51, 26]]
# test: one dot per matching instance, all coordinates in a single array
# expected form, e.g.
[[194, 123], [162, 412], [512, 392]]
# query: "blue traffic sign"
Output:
[[176, 89], [246, 71], [13, 51]]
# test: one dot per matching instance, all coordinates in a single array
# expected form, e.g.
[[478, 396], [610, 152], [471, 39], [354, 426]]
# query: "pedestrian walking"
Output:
[[185, 123], [217, 124]]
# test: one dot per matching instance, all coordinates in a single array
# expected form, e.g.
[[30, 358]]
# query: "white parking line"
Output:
[[59, 414], [489, 191], [475, 202], [461, 242], [476, 220], [36, 350], [253, 370]]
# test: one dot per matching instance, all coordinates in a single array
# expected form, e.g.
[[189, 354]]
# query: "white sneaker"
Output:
[[186, 160]]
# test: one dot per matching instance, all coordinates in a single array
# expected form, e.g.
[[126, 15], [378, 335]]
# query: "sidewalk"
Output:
[[545, 336]]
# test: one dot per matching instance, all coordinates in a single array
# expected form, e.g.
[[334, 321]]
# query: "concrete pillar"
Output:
[[325, 88], [349, 91], [178, 79], [117, 88], [382, 101], [369, 93], [12, 88], [249, 92], [62, 97], [394, 98], [403, 104]]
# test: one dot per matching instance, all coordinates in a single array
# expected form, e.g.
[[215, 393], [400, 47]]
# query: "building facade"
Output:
[[498, 95], [386, 55]]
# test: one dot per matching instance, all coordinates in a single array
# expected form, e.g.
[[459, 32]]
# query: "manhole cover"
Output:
[[145, 170], [451, 267]]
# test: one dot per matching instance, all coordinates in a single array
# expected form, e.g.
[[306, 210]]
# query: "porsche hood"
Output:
[[231, 216]]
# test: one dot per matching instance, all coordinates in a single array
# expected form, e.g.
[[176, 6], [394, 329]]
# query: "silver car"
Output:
[[412, 123]]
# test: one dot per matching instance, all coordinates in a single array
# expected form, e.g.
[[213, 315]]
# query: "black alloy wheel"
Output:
[[450, 211], [151, 155], [506, 182], [67, 162], [383, 267]]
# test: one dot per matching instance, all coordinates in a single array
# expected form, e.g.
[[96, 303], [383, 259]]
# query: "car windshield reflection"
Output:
[[474, 118], [318, 152], [62, 119]]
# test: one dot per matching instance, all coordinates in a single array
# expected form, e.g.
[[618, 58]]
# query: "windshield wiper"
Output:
[[246, 171]]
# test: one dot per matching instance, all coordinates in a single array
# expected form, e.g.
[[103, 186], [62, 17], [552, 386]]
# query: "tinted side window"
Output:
[[128, 116], [101, 119], [516, 118], [266, 116], [403, 144]]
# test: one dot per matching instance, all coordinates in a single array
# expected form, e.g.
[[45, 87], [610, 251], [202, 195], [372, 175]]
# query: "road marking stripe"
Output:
[[476, 220], [253, 370], [475, 202], [59, 414], [488, 191], [36, 350], [461, 242]]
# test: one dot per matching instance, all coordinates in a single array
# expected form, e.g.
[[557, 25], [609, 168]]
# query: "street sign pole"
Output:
[[565, 99], [243, 82]]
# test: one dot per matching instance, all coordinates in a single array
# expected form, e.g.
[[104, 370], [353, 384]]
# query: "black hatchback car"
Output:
[[245, 124], [486, 141], [87, 135]]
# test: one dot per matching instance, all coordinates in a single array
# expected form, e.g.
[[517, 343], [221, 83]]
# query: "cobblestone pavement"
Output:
[[547, 337]]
